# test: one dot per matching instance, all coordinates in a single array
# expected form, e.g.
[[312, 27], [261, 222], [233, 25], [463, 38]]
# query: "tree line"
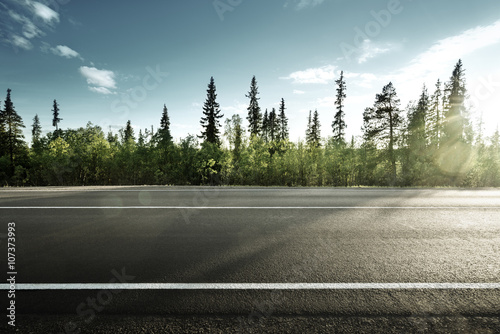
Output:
[[430, 142]]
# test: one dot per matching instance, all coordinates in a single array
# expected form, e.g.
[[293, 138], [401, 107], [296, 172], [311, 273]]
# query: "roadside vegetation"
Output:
[[430, 142]]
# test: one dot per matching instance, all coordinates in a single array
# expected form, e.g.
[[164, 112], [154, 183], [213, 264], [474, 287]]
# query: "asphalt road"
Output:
[[254, 235]]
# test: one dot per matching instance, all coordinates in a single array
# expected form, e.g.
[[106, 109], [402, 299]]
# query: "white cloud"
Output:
[[21, 42], [321, 75], [298, 92], [100, 81], [65, 51], [101, 90], [302, 4], [369, 50], [47, 14], [446, 52], [96, 77], [28, 27]]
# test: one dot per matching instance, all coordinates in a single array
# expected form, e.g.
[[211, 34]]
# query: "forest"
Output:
[[429, 143]]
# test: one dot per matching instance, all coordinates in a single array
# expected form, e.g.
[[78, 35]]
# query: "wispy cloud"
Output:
[[21, 42], [23, 21], [65, 51], [444, 53], [47, 14], [369, 50], [100, 81], [320, 75], [302, 4], [298, 92], [101, 90]]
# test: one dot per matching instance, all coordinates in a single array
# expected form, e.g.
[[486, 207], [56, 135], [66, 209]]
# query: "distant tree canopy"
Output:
[[429, 143]]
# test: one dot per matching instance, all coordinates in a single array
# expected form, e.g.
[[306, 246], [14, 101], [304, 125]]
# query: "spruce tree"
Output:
[[212, 113], [36, 131], [164, 135], [313, 133], [265, 127], [13, 130], [282, 122], [456, 143], [128, 134], [309, 130], [434, 116], [273, 126], [455, 112], [55, 116], [338, 124], [316, 130], [254, 115], [417, 122]]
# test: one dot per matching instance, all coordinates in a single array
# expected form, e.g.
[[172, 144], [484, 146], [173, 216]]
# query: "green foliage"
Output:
[[212, 113], [254, 115], [338, 124], [428, 147]]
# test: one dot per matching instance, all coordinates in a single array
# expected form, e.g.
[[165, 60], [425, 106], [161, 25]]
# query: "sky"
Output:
[[111, 61]]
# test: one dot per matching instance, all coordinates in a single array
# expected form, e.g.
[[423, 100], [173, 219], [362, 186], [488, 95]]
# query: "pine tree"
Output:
[[309, 128], [254, 115], [55, 114], [265, 127], [36, 130], [283, 122], [434, 116], [13, 132], [313, 133], [417, 122], [382, 122], [456, 143], [210, 122], [455, 112], [273, 126], [164, 136], [128, 134], [338, 124], [316, 130]]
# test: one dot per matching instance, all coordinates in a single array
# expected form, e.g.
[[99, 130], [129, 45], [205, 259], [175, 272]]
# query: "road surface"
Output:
[[369, 260]]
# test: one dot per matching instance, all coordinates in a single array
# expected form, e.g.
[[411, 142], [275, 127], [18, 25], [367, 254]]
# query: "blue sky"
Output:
[[111, 61]]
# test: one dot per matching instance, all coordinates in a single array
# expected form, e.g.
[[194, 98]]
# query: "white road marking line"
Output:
[[250, 286], [255, 207]]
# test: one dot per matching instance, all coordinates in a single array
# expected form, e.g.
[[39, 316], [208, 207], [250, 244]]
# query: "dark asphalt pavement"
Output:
[[255, 235]]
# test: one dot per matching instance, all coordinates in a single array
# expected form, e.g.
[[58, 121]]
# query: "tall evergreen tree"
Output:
[[457, 135], [313, 134], [455, 112], [273, 125], [265, 127], [417, 123], [283, 122], [55, 116], [164, 135], [211, 110], [128, 134], [434, 116], [309, 130], [36, 130], [13, 130], [316, 129], [383, 122], [254, 115], [338, 124]]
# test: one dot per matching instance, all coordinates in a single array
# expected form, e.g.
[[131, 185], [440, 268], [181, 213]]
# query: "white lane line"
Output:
[[254, 207], [250, 286]]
